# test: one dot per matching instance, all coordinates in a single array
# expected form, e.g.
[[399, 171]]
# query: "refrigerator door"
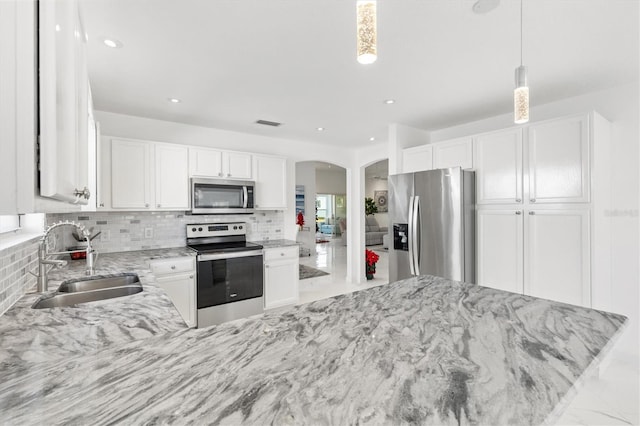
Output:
[[400, 195], [439, 209]]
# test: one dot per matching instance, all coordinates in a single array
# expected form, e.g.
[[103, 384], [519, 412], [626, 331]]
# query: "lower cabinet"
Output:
[[176, 276], [280, 276], [538, 252]]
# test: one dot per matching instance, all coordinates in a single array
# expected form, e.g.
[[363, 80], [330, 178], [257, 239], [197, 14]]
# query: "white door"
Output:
[[237, 165], [172, 177], [280, 283], [559, 161], [417, 159], [557, 253], [270, 174], [205, 162], [500, 249], [181, 290], [498, 165], [130, 174], [455, 153]]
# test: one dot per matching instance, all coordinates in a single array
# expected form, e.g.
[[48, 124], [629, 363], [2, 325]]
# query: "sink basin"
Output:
[[90, 290], [88, 284]]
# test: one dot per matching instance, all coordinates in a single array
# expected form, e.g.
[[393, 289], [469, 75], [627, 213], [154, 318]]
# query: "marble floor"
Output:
[[610, 397]]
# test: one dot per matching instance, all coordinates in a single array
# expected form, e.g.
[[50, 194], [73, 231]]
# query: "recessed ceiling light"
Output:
[[320, 129], [174, 100], [112, 43], [372, 139], [389, 101], [58, 27]]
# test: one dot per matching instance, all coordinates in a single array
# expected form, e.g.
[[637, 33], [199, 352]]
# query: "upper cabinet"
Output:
[[130, 175], [498, 165], [559, 161], [270, 174], [206, 162], [454, 153], [417, 159], [63, 102], [172, 177]]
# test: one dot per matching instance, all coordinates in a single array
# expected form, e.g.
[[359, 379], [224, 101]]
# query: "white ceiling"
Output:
[[232, 62]]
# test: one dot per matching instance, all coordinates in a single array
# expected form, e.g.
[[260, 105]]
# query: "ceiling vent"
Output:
[[268, 123]]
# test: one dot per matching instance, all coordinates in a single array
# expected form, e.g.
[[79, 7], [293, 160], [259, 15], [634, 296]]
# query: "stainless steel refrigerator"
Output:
[[432, 217]]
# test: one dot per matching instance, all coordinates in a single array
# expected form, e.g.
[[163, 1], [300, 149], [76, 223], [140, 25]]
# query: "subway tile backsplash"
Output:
[[14, 279], [126, 231]]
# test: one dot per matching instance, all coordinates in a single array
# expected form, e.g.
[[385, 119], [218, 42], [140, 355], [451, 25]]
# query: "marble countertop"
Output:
[[277, 243], [423, 351], [39, 335]]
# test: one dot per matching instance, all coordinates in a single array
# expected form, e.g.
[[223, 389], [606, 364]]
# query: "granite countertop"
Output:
[[277, 243], [38, 335], [424, 350]]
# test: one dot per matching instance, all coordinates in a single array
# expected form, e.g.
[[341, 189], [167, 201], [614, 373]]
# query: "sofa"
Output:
[[373, 233]]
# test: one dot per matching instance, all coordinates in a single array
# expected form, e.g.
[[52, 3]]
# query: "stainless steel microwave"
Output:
[[221, 196]]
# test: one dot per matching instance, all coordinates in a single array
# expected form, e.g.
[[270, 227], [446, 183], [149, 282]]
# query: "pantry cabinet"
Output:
[[280, 276], [270, 174], [454, 153], [417, 159], [206, 162], [498, 165]]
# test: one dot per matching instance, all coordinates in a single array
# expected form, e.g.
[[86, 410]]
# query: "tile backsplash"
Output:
[[126, 231], [15, 261]]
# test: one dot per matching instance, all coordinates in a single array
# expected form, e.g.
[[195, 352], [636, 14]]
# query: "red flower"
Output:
[[371, 257], [300, 219]]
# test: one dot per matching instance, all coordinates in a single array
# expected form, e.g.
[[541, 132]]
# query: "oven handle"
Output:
[[221, 256], [246, 196]]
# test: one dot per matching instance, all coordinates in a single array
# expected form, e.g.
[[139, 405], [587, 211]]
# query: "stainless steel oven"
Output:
[[221, 196], [230, 277]]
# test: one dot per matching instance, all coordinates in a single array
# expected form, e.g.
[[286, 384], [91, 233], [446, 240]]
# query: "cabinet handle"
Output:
[[228, 174], [146, 205], [190, 276], [84, 193], [533, 200], [220, 174], [518, 200], [281, 254], [159, 206], [101, 204], [518, 212], [173, 267], [266, 266], [532, 213]]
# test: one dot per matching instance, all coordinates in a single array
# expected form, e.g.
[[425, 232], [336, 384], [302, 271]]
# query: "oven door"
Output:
[[229, 277], [218, 196]]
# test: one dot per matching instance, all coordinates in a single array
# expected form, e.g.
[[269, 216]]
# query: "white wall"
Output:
[[306, 175], [619, 105], [400, 137], [332, 181], [370, 186]]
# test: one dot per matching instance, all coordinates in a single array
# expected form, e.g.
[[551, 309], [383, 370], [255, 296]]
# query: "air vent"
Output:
[[269, 123]]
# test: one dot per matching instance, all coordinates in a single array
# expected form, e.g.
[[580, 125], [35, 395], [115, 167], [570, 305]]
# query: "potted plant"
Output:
[[371, 258], [370, 206]]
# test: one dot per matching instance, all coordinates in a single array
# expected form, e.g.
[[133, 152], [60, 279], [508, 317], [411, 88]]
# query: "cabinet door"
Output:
[[236, 165], [181, 290], [456, 153], [280, 283], [557, 253], [205, 162], [130, 174], [270, 174], [172, 177], [498, 165], [417, 159], [500, 253], [559, 161]]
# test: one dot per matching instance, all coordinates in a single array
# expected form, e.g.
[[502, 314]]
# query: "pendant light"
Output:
[[366, 29], [521, 92]]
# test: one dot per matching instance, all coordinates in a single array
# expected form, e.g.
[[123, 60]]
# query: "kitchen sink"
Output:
[[88, 284], [90, 290]]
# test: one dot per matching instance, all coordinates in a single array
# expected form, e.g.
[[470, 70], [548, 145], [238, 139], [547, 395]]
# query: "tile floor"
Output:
[[609, 398]]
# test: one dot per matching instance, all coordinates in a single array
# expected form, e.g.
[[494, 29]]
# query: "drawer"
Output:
[[173, 265], [281, 253]]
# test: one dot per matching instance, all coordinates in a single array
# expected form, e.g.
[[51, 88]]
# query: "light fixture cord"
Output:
[[520, 32]]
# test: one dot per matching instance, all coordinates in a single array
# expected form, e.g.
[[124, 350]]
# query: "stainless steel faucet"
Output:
[[43, 279]]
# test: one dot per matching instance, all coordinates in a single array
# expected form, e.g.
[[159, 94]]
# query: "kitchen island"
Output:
[[424, 350]]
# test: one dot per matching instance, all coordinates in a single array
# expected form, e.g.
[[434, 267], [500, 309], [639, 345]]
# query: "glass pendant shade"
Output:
[[366, 28], [521, 96]]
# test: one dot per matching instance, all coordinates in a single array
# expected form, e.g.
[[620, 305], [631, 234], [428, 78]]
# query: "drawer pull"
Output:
[[281, 254], [190, 277], [518, 212], [173, 267]]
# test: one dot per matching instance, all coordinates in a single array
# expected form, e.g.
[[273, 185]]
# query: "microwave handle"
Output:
[[246, 196]]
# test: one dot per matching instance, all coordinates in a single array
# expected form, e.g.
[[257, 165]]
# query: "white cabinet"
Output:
[[206, 162], [63, 100], [454, 153], [498, 165], [557, 252], [417, 159], [500, 249], [130, 174], [270, 174], [176, 276], [280, 276], [559, 161], [172, 177]]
